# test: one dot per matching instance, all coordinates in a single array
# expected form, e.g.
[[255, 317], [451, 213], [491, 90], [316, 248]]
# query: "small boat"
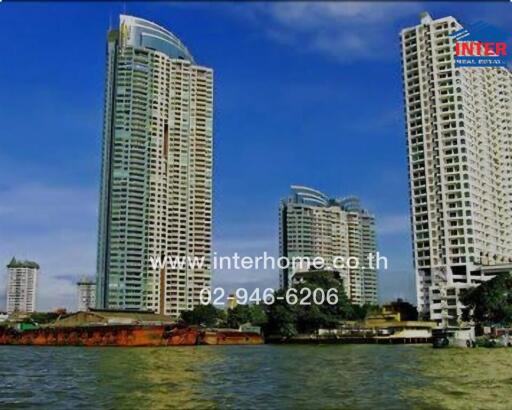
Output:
[[453, 337], [229, 337]]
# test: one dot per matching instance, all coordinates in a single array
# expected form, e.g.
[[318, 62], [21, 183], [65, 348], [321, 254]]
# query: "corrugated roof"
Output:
[[100, 316]]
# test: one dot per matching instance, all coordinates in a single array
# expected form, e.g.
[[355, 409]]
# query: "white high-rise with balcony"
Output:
[[459, 138], [156, 191], [21, 286]]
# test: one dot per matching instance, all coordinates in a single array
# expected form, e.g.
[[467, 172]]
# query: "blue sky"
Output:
[[305, 93]]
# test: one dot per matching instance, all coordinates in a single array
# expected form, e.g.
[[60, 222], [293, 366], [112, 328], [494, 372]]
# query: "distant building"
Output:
[[21, 286], [398, 310], [458, 123], [232, 301], [313, 225], [86, 294]]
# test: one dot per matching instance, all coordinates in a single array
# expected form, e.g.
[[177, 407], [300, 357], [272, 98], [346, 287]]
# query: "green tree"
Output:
[[240, 314], [289, 319], [314, 316], [254, 314], [258, 315], [360, 312], [205, 315], [491, 302], [281, 317]]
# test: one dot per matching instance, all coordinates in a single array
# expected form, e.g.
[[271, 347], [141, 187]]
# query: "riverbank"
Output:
[[314, 339]]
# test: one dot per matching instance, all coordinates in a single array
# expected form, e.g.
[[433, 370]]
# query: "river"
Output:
[[266, 377]]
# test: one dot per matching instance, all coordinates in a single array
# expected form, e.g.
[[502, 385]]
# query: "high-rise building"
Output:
[[459, 138], [311, 225], [86, 292], [156, 190], [21, 286]]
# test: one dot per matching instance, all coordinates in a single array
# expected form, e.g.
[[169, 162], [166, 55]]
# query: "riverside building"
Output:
[[21, 286], [459, 135], [313, 225], [156, 188]]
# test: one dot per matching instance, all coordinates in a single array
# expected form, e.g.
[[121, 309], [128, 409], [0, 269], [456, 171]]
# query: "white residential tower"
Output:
[[312, 225], [21, 286], [459, 139]]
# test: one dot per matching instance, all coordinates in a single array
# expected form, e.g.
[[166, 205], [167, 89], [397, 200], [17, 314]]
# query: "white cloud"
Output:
[[346, 31]]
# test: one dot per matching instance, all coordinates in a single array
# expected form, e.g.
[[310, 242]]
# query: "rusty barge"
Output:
[[126, 335], [119, 328]]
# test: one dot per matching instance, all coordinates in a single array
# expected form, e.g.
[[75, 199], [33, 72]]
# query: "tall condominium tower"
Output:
[[156, 190], [86, 289], [459, 138], [313, 225], [21, 286]]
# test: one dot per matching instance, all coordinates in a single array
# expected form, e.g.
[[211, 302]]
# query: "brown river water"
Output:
[[266, 377]]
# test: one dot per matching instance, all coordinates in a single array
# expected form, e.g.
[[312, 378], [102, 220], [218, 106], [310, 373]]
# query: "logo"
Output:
[[480, 45]]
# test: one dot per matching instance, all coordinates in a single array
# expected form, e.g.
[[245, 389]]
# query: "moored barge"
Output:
[[125, 335]]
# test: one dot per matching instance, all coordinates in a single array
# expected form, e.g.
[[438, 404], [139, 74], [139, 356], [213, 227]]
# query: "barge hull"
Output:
[[101, 336], [125, 335]]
